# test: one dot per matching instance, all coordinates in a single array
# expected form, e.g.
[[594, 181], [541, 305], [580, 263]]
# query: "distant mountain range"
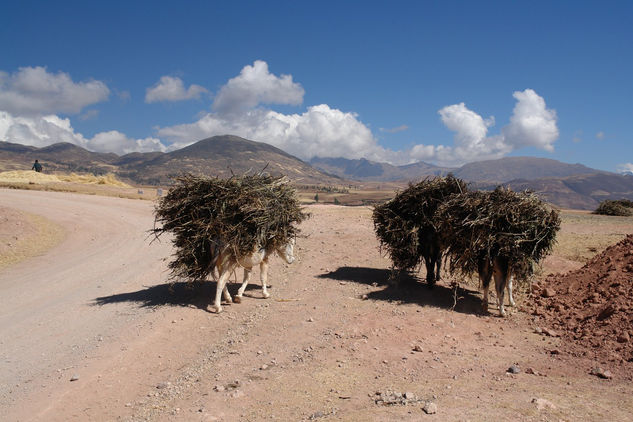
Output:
[[493, 171], [581, 191], [566, 185], [366, 170]]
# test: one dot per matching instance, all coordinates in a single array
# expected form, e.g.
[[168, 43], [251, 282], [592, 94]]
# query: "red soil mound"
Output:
[[592, 307]]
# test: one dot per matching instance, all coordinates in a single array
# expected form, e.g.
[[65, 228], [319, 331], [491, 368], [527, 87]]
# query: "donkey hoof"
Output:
[[216, 309], [237, 299], [266, 295]]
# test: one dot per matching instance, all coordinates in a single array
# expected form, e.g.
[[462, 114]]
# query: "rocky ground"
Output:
[[336, 340]]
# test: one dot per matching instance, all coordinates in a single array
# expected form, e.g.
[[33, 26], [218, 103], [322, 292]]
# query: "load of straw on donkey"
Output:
[[220, 224], [501, 233]]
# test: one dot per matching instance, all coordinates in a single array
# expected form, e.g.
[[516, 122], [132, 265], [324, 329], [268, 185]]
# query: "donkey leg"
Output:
[[240, 292], [485, 274], [221, 286], [484, 304], [438, 267], [430, 271], [226, 294], [263, 276], [500, 288], [510, 297], [502, 276]]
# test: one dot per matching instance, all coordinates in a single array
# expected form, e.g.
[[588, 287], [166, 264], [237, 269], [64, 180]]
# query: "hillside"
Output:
[[223, 156], [62, 156], [565, 185], [528, 168], [215, 156], [583, 191], [490, 171]]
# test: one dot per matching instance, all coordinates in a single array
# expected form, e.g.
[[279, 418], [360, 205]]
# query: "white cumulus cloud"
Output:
[[329, 132], [41, 131], [320, 130], [625, 168], [531, 124], [171, 88], [115, 141], [256, 85], [470, 127], [35, 91], [32, 99]]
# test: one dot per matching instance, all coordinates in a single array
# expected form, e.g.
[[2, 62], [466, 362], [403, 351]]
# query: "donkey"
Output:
[[499, 267], [430, 248], [226, 263]]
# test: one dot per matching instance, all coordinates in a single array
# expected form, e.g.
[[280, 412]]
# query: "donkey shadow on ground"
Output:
[[195, 294], [407, 288]]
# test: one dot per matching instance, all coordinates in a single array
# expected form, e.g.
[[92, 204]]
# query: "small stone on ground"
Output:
[[430, 408]]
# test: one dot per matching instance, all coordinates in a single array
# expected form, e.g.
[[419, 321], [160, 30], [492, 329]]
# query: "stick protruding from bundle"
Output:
[[209, 216]]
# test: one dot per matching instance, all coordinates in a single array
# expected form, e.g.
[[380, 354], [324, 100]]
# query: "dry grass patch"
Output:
[[583, 234], [24, 235], [352, 197], [32, 177], [86, 184]]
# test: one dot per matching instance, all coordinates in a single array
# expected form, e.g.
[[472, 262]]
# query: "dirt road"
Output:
[[334, 342], [49, 324]]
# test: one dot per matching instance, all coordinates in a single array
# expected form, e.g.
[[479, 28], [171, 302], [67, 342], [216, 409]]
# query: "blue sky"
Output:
[[441, 82]]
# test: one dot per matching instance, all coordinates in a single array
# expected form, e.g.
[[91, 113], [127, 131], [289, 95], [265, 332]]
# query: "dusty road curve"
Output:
[[48, 320]]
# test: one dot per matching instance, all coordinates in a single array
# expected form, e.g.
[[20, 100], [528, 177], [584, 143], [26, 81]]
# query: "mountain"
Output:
[[366, 170], [216, 156], [490, 172], [566, 185], [62, 156], [584, 191], [511, 168], [222, 156]]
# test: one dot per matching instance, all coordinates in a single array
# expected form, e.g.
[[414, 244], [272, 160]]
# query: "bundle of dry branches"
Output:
[[400, 222], [620, 207], [515, 225], [212, 215]]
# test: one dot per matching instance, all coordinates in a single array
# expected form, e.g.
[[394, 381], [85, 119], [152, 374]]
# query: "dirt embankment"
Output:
[[592, 307]]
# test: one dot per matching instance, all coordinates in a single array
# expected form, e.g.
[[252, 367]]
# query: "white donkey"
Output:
[[227, 262], [498, 267]]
